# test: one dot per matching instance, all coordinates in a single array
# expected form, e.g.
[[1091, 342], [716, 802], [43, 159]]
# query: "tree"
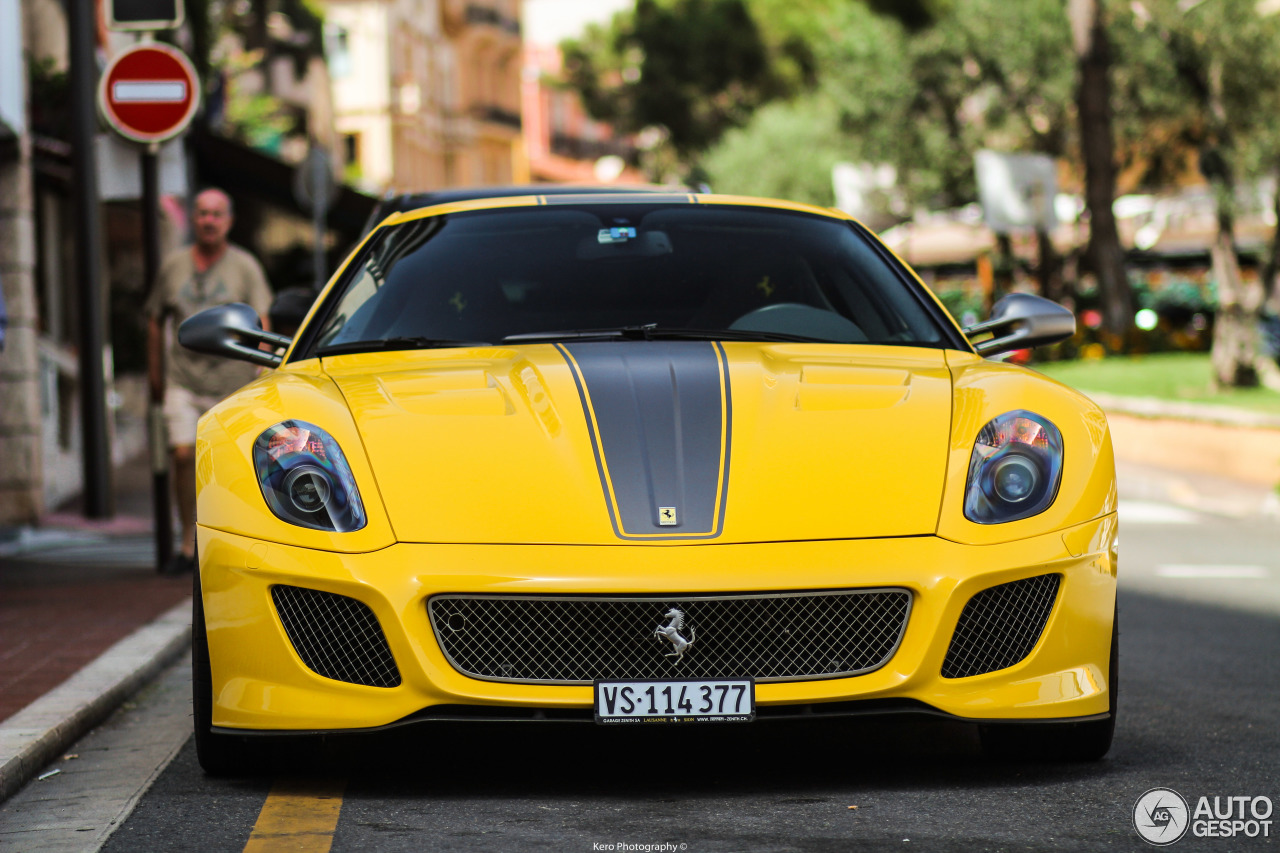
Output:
[[1220, 56], [759, 160], [915, 15], [1103, 256], [693, 68], [990, 74]]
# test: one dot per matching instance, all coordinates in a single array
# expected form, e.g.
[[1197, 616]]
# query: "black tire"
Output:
[[1087, 741], [219, 755]]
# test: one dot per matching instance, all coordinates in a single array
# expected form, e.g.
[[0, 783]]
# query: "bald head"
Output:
[[212, 215]]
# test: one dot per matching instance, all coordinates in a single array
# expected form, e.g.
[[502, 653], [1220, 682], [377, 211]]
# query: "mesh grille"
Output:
[[572, 640], [1000, 626], [336, 636]]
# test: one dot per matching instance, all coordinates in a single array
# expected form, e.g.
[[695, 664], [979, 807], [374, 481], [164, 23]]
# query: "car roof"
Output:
[[400, 203]]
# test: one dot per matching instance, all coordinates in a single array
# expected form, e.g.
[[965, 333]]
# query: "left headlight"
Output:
[[1015, 468], [305, 479]]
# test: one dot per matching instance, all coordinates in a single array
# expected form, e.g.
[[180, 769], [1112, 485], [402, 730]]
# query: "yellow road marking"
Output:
[[299, 815]]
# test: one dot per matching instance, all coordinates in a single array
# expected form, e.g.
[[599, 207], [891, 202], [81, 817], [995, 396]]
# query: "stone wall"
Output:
[[20, 419]]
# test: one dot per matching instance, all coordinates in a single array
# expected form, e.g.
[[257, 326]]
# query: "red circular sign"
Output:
[[149, 93]]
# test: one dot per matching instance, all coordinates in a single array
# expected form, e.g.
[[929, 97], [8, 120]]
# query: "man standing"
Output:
[[210, 272]]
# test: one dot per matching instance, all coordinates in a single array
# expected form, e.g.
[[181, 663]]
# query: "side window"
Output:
[[346, 323]]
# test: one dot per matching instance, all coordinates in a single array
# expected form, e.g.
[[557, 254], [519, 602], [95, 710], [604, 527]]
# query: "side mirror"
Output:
[[1022, 321], [233, 331]]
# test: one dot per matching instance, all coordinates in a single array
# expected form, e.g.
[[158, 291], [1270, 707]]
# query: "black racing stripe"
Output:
[[660, 432]]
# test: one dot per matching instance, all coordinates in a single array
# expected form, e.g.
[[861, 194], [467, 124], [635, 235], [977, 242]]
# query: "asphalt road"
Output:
[[1199, 708]]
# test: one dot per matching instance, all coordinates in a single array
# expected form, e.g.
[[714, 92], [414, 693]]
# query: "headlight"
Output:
[[305, 478], [1015, 469]]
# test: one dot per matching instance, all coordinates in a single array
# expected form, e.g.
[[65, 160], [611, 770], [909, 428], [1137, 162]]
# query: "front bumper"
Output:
[[261, 684]]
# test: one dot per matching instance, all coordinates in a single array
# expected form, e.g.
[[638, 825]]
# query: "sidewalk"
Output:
[[76, 599], [85, 619]]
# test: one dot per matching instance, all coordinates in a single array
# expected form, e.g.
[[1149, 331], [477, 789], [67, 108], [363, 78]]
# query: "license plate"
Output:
[[674, 700]]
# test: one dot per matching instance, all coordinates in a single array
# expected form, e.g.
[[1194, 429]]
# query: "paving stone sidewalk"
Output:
[[72, 588]]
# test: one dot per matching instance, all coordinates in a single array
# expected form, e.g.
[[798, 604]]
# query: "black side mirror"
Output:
[[1022, 321], [233, 331]]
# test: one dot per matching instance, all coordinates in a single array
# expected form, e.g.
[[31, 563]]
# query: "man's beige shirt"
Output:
[[180, 291]]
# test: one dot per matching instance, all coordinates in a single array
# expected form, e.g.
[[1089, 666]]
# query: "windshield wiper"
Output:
[[652, 332], [731, 335], [399, 343], [626, 333]]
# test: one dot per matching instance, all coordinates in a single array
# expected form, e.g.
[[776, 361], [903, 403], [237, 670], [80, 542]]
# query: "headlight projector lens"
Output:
[[308, 488], [1015, 478]]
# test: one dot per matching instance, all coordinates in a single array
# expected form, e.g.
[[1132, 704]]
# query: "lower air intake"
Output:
[[336, 636], [1000, 626]]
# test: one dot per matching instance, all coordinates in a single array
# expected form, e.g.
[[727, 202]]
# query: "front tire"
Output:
[[1088, 741], [219, 755]]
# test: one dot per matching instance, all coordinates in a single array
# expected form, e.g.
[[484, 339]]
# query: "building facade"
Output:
[[562, 143], [427, 92]]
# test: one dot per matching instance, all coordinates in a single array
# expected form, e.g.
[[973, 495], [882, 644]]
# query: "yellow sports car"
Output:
[[637, 459]]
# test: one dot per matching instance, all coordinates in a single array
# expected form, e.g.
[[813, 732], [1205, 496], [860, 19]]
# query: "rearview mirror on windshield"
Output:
[[624, 242]]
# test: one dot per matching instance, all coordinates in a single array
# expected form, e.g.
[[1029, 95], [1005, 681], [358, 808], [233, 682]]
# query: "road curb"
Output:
[[1149, 407], [38, 733]]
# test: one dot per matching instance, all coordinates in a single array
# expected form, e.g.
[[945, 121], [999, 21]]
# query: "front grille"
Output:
[[575, 640], [336, 636], [1000, 626]]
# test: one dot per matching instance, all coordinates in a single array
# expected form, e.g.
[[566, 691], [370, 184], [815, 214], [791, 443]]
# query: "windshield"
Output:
[[636, 270]]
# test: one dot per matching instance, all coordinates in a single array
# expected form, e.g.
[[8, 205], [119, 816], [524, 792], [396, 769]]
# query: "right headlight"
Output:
[[1015, 468], [305, 479]]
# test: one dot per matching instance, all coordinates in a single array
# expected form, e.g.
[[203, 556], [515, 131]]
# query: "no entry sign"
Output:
[[149, 93]]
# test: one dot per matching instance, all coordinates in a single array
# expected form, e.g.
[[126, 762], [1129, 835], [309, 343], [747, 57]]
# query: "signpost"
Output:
[[315, 191], [95, 447], [147, 94], [143, 14], [1017, 192]]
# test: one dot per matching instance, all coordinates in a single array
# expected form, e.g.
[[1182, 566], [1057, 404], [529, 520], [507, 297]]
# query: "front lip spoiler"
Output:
[[768, 713]]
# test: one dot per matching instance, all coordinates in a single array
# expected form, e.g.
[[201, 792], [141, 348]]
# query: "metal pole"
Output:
[[98, 498], [161, 494], [319, 206], [321, 278]]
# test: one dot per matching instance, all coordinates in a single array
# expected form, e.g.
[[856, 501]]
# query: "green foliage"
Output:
[[1201, 77], [991, 74], [961, 304], [1180, 297], [1166, 376], [694, 68], [988, 74], [760, 160], [923, 84], [258, 119], [912, 14]]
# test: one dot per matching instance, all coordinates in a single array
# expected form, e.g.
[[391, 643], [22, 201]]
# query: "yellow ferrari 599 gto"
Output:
[[665, 458]]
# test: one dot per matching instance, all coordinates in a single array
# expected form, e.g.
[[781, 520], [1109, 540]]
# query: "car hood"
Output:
[[653, 442]]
